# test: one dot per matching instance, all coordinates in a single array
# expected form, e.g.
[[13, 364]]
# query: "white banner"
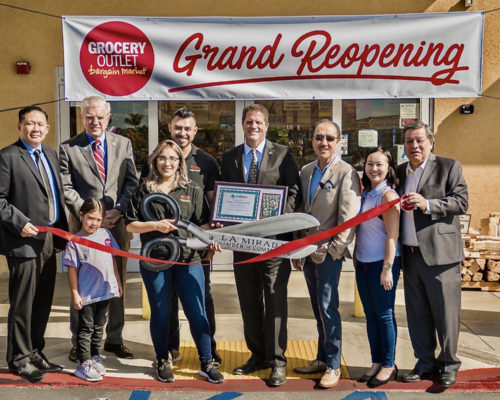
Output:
[[325, 57]]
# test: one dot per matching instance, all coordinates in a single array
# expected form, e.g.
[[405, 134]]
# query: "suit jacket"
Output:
[[278, 167], [336, 200], [23, 199], [82, 180], [438, 233]]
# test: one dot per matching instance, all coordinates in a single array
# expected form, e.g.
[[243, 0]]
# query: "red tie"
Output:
[[99, 159]]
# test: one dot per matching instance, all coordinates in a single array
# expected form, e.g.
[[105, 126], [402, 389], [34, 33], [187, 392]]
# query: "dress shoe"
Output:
[[311, 368], [330, 378], [415, 376], [277, 377], [374, 382], [28, 371], [366, 378], [72, 356], [249, 367], [46, 366], [448, 379], [120, 350]]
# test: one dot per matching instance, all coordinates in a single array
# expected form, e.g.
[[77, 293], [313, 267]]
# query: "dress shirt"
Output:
[[316, 177], [247, 156], [409, 234], [50, 175]]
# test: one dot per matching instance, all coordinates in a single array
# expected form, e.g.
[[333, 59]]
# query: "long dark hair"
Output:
[[392, 180]]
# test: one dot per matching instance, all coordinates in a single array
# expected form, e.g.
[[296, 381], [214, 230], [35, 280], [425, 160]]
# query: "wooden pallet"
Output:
[[484, 286]]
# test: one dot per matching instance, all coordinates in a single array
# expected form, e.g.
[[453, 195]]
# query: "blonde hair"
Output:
[[95, 101], [154, 178]]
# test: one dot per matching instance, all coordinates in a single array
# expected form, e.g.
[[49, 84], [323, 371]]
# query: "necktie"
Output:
[[254, 168], [99, 159], [46, 183]]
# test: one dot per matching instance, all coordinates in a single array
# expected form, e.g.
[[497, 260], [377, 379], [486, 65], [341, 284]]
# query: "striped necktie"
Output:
[[99, 159], [46, 183], [254, 168]]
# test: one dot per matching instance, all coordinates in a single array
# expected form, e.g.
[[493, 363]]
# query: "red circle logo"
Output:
[[116, 58]]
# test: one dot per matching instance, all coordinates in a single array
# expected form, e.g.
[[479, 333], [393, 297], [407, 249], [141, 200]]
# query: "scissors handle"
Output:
[[171, 205]]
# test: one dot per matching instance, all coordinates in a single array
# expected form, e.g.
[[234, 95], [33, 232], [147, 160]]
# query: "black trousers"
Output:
[[31, 289], [91, 322], [262, 292]]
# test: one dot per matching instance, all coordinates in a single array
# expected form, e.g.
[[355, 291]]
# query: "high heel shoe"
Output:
[[366, 378], [374, 382]]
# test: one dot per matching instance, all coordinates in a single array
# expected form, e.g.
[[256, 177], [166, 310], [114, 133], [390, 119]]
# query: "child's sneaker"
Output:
[[87, 371], [98, 365], [209, 371], [164, 371]]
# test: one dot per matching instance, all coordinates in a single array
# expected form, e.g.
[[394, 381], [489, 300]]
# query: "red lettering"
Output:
[[191, 59], [310, 55]]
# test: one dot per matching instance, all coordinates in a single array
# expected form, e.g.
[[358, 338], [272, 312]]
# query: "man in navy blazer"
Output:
[[262, 286], [30, 195], [435, 195]]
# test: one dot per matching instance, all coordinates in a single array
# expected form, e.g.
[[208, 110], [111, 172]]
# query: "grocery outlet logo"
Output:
[[117, 58]]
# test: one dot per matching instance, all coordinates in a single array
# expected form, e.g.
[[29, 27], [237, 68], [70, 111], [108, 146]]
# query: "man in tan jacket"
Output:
[[331, 189]]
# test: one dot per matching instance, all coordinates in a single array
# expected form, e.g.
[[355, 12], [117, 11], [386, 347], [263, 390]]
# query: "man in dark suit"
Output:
[[30, 196], [100, 164], [262, 287], [435, 195]]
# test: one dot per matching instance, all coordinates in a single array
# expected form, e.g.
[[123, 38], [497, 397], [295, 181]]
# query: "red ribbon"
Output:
[[283, 249]]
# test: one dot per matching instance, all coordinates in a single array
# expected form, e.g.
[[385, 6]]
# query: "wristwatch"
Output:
[[387, 266]]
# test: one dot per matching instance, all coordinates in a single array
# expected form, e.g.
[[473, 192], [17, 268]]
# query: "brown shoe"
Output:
[[330, 378], [311, 368]]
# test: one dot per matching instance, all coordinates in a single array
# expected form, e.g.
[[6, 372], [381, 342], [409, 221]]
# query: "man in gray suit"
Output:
[[100, 164], [331, 190], [262, 286], [435, 195]]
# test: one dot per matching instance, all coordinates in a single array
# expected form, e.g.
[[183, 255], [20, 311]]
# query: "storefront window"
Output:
[[129, 119], [372, 123], [290, 123], [215, 120]]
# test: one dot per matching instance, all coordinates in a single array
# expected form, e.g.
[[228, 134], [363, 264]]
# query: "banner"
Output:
[[320, 57]]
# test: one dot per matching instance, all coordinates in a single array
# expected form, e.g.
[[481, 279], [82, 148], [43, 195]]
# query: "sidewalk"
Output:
[[479, 345]]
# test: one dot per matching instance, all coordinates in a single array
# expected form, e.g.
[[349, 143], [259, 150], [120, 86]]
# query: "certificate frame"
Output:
[[234, 203]]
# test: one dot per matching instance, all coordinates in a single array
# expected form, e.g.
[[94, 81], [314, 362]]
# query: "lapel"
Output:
[[431, 162], [110, 151], [238, 162], [267, 157], [86, 150], [25, 156]]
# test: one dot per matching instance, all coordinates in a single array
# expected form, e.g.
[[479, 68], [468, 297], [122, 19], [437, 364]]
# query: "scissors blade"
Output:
[[273, 225]]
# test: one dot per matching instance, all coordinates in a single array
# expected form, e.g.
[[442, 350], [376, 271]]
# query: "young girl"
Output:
[[93, 280]]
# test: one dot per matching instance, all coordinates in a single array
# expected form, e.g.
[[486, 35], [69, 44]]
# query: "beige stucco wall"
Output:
[[38, 39]]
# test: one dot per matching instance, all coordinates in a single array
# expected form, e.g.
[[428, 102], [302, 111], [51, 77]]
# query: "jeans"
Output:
[[378, 304], [91, 321], [174, 331], [189, 282], [323, 282]]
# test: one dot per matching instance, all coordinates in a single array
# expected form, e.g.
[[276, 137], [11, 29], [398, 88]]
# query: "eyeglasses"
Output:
[[165, 159], [320, 138]]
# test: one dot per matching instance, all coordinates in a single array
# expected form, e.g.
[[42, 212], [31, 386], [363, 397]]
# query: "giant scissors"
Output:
[[248, 237]]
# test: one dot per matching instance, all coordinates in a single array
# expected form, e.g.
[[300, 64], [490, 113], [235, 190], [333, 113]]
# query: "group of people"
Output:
[[95, 180]]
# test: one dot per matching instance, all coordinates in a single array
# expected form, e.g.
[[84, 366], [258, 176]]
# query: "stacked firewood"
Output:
[[482, 252]]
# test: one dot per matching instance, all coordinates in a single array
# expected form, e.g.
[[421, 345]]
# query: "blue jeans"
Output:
[[189, 282], [323, 285], [378, 304]]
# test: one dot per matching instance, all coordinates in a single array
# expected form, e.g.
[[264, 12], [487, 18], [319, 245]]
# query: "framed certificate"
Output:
[[241, 202]]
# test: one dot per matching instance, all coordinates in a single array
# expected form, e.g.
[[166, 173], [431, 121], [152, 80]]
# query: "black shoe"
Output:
[[365, 378], [415, 376], [374, 382], [46, 366], [448, 379], [28, 371], [249, 367], [216, 359], [277, 377], [72, 356], [209, 371], [164, 371], [120, 350]]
